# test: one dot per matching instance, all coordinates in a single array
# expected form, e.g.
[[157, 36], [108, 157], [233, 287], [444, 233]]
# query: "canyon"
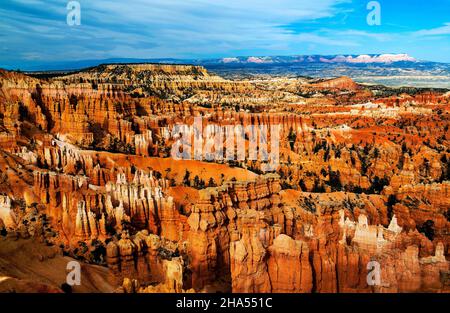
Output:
[[86, 173]]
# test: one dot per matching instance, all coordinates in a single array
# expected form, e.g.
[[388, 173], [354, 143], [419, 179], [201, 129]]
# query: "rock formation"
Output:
[[362, 177]]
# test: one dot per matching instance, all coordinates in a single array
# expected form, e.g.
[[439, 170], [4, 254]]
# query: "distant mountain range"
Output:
[[353, 59], [387, 69], [245, 60]]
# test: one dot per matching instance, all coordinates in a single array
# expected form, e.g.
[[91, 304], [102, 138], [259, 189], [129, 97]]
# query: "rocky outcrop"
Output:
[[287, 253], [219, 220], [248, 267], [7, 216], [146, 258], [345, 83]]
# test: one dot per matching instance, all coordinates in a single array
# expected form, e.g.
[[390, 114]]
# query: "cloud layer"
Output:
[[36, 30]]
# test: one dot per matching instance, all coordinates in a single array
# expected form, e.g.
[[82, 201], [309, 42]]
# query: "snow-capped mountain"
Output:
[[354, 59]]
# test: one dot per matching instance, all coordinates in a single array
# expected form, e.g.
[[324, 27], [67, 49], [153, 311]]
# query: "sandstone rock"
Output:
[[288, 265]]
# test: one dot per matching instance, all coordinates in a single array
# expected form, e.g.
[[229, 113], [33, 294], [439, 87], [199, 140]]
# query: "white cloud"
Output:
[[443, 30], [157, 28]]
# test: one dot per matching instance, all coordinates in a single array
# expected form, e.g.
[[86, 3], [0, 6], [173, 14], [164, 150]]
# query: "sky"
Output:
[[37, 31]]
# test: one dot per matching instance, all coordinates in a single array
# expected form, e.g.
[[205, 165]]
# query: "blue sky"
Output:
[[35, 31]]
